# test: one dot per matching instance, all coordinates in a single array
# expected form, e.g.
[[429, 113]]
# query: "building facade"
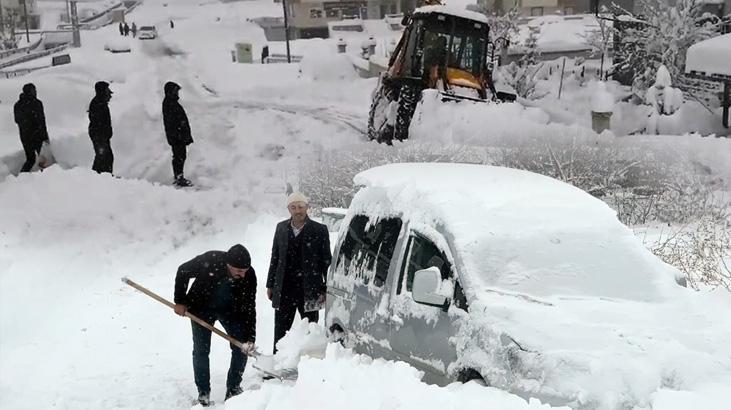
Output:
[[13, 12], [309, 18]]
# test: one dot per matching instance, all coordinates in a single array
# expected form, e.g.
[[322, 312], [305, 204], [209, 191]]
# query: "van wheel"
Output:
[[467, 375], [336, 335]]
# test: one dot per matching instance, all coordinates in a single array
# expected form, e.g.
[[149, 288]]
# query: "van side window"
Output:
[[422, 254], [354, 240], [370, 249]]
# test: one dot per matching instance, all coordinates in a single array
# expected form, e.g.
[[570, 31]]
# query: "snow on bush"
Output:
[[663, 99], [701, 250], [670, 30]]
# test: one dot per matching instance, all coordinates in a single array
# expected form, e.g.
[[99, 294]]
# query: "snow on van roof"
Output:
[[452, 11], [516, 231], [710, 56]]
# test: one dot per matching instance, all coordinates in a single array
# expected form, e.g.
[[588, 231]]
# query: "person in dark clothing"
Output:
[[31, 120], [100, 128], [224, 289], [264, 54], [121, 29], [172, 25], [298, 268], [134, 30], [177, 130], [126, 30]]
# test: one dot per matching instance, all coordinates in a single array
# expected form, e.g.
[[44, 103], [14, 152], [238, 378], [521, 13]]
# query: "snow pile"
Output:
[[347, 380], [327, 65], [711, 56], [602, 100], [303, 339]]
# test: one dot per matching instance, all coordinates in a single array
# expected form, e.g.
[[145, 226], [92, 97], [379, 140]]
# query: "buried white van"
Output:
[[518, 280]]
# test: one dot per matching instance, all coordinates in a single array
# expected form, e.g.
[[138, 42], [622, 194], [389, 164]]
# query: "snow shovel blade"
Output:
[[281, 374]]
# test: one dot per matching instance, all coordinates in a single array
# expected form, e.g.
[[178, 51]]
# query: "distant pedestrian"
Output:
[[134, 30], [31, 122], [177, 130], [126, 30], [100, 128], [121, 29], [298, 267], [264, 54], [172, 25]]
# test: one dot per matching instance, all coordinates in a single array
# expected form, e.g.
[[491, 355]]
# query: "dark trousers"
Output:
[[202, 347], [103, 157], [31, 150], [284, 317], [179, 156]]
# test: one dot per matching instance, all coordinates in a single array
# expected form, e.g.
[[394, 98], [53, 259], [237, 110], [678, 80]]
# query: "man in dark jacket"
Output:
[[177, 130], [100, 128], [31, 122], [224, 289], [298, 268]]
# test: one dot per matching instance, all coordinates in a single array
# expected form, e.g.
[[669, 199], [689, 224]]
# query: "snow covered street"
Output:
[[73, 336]]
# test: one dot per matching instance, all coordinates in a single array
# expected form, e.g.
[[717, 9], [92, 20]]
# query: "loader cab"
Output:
[[443, 46]]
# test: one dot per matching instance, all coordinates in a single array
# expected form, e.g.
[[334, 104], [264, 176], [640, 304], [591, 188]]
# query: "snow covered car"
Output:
[[118, 45], [516, 279], [147, 33]]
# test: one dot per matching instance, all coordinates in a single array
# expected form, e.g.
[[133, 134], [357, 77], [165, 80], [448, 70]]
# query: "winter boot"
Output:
[[233, 392], [182, 182], [204, 399]]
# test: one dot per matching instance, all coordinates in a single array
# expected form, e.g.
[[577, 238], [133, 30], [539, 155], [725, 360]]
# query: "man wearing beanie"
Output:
[[224, 290], [298, 268]]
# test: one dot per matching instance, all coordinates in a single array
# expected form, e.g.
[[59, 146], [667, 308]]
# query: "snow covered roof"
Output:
[[516, 231], [712, 56], [452, 11]]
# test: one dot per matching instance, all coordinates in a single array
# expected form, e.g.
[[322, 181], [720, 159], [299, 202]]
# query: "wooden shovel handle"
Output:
[[192, 317]]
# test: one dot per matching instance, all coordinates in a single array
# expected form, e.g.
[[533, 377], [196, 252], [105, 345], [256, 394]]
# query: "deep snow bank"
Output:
[[347, 380]]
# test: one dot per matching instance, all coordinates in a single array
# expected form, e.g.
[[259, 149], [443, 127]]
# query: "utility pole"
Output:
[[25, 10], [286, 30], [68, 12], [2, 21], [75, 23]]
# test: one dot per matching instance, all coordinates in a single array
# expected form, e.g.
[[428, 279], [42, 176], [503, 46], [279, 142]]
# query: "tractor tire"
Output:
[[408, 98], [377, 124]]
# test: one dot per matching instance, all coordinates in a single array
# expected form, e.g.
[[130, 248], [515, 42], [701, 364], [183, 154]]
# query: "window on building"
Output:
[[568, 11], [315, 13], [536, 11], [332, 13]]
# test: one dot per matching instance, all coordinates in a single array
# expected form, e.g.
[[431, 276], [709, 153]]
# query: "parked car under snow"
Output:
[[147, 33], [118, 45], [516, 279]]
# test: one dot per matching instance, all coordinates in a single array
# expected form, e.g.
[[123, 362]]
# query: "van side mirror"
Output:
[[425, 288]]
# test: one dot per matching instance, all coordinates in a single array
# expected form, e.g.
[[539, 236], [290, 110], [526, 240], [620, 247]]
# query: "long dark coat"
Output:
[[316, 258], [31, 120], [177, 127]]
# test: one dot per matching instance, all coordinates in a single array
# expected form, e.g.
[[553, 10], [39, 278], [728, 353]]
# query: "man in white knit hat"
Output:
[[298, 268]]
